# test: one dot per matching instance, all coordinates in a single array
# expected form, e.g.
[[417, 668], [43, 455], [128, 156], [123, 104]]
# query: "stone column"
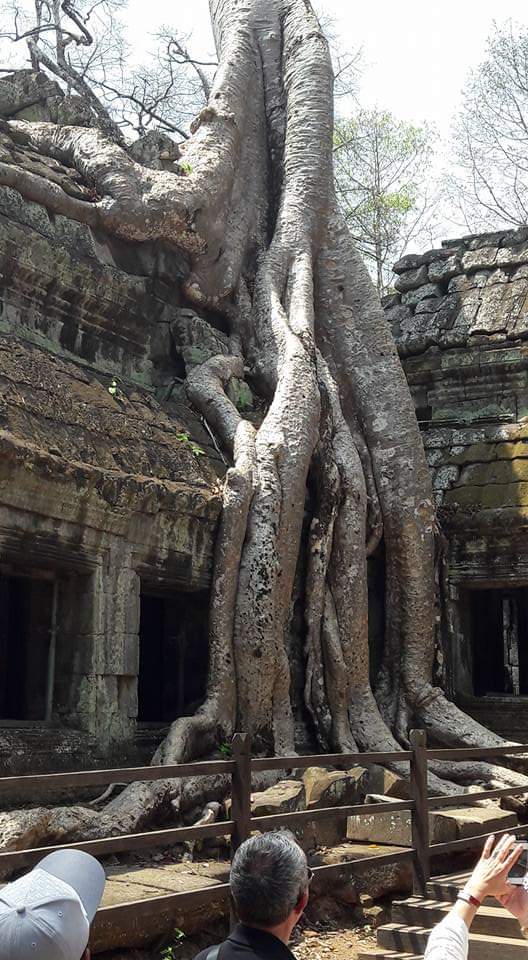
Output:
[[117, 681]]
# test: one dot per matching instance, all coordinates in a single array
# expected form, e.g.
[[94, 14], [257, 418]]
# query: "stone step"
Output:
[[400, 938], [492, 920], [378, 953], [446, 888]]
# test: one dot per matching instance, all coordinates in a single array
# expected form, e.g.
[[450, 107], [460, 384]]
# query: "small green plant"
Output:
[[112, 389], [169, 952], [225, 749], [185, 438], [184, 167]]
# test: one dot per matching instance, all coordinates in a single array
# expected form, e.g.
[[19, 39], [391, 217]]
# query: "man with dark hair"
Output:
[[46, 914], [269, 889]]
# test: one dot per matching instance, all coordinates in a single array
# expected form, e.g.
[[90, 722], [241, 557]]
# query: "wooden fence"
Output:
[[240, 767]]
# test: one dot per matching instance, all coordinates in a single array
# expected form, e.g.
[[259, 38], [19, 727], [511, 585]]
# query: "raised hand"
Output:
[[490, 876]]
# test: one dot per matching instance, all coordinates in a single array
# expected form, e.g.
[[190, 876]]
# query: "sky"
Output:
[[417, 53]]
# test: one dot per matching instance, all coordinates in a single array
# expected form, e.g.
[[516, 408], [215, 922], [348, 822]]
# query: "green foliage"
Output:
[[226, 750], [184, 167], [194, 447], [381, 166], [169, 952]]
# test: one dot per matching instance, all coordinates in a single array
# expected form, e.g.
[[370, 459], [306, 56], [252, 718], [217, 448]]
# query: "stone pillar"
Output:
[[78, 649], [117, 681]]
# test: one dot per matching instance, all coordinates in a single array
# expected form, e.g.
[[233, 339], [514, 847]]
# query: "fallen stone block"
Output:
[[284, 797], [376, 881], [331, 788], [444, 825], [387, 783], [113, 931]]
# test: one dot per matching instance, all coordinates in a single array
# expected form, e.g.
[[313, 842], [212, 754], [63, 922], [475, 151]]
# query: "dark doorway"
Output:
[[499, 634], [173, 655], [26, 607]]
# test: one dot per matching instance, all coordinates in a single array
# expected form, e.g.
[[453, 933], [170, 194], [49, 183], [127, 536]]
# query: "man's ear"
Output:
[[302, 902]]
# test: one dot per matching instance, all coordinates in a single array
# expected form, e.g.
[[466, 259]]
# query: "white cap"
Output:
[[46, 914]]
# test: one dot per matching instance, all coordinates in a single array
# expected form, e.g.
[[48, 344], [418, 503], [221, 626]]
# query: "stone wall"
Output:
[[460, 319], [109, 481]]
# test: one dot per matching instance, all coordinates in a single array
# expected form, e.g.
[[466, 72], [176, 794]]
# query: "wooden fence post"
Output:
[[241, 790], [420, 814]]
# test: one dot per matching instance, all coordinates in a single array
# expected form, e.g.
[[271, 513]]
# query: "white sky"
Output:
[[417, 53]]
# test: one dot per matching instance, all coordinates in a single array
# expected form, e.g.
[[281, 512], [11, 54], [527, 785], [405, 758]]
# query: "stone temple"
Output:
[[109, 493], [109, 481], [460, 319]]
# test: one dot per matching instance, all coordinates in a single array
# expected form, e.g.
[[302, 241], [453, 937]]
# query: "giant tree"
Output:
[[254, 210]]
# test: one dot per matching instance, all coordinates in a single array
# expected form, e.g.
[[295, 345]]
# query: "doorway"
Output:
[[173, 655], [499, 639], [26, 618]]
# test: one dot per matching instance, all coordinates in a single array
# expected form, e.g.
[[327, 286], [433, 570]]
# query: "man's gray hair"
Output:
[[269, 874]]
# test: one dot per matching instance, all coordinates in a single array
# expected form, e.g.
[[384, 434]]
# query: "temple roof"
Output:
[[473, 289]]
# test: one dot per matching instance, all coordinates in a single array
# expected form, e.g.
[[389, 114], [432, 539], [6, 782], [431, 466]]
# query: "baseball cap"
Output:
[[46, 914]]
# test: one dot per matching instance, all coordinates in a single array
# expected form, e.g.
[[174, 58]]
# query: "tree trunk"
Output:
[[257, 215]]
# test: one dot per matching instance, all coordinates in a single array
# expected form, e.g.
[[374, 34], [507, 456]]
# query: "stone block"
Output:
[[332, 788], [395, 315], [411, 261], [494, 497], [498, 471], [387, 783], [411, 279], [283, 797], [376, 881], [445, 477], [412, 297], [511, 256], [472, 821], [485, 258], [440, 271], [394, 828], [444, 825], [471, 411], [121, 654], [463, 285], [129, 884]]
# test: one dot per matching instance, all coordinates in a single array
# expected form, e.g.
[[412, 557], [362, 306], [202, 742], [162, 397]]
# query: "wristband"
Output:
[[469, 898]]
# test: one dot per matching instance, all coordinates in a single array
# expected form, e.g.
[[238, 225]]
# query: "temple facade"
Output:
[[109, 483], [460, 319]]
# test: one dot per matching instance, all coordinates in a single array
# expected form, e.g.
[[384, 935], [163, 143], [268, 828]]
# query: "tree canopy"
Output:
[[490, 175], [382, 169]]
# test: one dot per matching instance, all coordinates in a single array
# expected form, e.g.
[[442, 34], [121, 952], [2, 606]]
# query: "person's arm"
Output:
[[449, 939]]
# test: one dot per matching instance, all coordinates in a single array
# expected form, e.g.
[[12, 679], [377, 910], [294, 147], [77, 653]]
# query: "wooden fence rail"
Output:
[[239, 768]]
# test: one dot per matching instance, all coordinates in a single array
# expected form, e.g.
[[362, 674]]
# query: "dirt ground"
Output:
[[333, 939], [324, 940]]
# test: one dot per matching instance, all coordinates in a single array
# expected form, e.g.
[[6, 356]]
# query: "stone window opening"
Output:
[[499, 635], [28, 643], [173, 654]]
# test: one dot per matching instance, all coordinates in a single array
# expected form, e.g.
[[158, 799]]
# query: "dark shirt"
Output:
[[245, 943]]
